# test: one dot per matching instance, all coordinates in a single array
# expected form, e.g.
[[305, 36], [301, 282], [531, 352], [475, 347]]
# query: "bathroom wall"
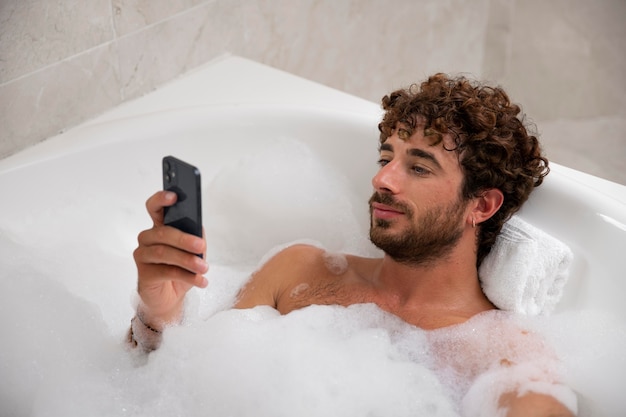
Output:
[[63, 62]]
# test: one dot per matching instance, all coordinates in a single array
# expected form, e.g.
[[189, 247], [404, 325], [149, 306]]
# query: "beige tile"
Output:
[[163, 51], [498, 39], [349, 45], [36, 33], [568, 58], [594, 145], [132, 15], [566, 67], [60, 96]]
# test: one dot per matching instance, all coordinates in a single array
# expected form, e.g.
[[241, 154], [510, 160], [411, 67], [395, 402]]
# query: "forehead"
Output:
[[403, 140]]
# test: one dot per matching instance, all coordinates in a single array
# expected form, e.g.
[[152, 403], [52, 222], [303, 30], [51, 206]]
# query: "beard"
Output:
[[426, 239]]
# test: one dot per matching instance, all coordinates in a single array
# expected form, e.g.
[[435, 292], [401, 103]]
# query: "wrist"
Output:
[[141, 335], [139, 317], [158, 320], [147, 326]]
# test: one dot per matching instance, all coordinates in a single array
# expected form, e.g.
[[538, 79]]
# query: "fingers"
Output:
[[160, 254], [183, 271], [169, 246], [166, 253], [157, 202], [170, 236]]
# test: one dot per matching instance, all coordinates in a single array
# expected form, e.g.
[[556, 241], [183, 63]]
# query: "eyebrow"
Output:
[[416, 152]]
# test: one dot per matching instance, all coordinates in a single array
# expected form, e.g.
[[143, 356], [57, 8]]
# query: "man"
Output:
[[455, 163]]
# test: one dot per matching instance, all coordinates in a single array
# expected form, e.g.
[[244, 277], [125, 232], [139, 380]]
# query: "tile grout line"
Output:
[[115, 38]]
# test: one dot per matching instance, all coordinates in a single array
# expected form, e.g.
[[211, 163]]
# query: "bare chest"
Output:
[[345, 292], [330, 291]]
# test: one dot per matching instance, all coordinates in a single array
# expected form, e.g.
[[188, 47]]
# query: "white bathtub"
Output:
[[111, 164], [73, 205]]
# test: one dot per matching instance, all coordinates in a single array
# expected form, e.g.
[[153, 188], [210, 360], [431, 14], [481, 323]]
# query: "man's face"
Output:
[[417, 214]]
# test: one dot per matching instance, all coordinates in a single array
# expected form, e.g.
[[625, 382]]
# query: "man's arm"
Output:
[[292, 266]]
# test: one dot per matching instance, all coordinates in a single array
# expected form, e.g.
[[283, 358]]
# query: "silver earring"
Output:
[[473, 222]]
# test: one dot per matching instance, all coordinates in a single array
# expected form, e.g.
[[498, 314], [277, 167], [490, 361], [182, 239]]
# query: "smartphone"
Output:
[[183, 179]]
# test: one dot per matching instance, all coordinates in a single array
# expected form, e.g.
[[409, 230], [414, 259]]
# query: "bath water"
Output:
[[67, 297]]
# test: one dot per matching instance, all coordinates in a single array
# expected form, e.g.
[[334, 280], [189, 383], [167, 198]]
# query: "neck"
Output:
[[446, 284]]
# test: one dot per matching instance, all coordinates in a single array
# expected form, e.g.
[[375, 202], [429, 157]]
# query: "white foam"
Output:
[[52, 343], [60, 359], [592, 348], [316, 362], [336, 263]]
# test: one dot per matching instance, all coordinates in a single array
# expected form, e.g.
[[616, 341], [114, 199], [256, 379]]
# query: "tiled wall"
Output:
[[62, 62]]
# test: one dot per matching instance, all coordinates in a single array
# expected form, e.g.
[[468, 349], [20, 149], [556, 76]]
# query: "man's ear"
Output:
[[487, 204]]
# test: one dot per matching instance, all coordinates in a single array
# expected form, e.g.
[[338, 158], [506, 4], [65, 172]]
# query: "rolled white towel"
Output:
[[526, 270]]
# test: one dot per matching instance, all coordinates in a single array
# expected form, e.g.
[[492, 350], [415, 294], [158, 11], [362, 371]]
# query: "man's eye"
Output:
[[383, 162], [420, 170]]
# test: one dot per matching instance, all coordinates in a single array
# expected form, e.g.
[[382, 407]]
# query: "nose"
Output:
[[387, 179]]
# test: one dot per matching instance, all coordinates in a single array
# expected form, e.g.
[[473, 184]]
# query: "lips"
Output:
[[383, 211]]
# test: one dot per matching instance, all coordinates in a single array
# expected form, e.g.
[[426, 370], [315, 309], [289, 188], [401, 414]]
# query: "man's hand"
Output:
[[167, 266]]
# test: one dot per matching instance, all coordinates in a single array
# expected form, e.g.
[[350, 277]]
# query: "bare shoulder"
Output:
[[298, 255], [292, 265]]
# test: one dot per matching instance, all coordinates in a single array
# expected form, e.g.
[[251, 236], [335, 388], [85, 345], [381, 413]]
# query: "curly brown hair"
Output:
[[492, 138]]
